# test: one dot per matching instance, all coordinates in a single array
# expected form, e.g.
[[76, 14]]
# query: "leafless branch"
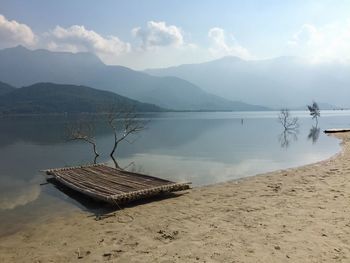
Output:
[[124, 123], [83, 131], [288, 122]]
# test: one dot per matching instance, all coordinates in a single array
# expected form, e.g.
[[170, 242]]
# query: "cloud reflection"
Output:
[[204, 171], [199, 171], [14, 192]]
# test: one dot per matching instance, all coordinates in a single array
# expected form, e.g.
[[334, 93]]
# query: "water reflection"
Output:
[[314, 134], [290, 126], [287, 136], [17, 192], [203, 148], [48, 130], [86, 202]]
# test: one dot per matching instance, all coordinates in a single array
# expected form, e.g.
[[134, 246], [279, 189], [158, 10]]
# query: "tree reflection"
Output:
[[314, 134], [290, 128], [287, 136]]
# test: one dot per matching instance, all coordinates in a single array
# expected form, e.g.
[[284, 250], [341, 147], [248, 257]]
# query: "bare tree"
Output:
[[121, 118], [124, 123], [84, 131], [288, 122], [314, 111]]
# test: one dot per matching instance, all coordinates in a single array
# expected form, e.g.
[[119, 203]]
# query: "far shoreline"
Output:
[[75, 114]]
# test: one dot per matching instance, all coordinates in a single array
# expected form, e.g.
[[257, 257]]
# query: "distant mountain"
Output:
[[279, 82], [5, 88], [20, 67], [57, 98], [321, 105], [326, 106]]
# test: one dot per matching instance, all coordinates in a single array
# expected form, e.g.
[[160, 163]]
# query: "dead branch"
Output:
[[124, 123], [83, 131], [288, 122]]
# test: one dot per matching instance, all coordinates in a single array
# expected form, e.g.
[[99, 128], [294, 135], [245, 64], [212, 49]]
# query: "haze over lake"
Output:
[[204, 148]]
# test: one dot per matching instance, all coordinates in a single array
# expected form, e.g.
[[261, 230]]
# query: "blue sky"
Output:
[[154, 33]]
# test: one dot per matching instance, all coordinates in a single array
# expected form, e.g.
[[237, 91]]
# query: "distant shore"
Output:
[[76, 114], [295, 215]]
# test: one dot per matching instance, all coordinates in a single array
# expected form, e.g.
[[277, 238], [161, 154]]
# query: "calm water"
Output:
[[204, 148]]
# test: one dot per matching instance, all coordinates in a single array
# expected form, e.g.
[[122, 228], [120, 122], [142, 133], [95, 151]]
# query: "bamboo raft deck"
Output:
[[113, 185]]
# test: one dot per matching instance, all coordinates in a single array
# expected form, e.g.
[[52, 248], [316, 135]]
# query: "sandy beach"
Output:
[[294, 215]]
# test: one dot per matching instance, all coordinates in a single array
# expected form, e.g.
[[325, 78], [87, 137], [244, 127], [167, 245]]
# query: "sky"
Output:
[[157, 33]]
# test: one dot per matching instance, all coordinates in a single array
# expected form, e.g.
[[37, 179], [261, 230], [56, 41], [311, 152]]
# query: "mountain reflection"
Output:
[[51, 130]]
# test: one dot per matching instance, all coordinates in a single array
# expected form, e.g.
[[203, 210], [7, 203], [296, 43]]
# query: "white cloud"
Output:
[[13, 33], [160, 44], [307, 35], [141, 59], [329, 42], [159, 34], [72, 39], [77, 38], [221, 47]]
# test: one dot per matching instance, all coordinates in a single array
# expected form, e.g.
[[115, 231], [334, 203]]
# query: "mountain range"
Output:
[[280, 82], [48, 98], [5, 88], [20, 66]]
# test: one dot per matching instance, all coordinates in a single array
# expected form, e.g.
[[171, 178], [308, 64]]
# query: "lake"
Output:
[[204, 148]]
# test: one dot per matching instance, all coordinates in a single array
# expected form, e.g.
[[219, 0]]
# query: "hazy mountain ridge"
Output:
[[5, 88], [21, 67], [283, 81], [44, 98]]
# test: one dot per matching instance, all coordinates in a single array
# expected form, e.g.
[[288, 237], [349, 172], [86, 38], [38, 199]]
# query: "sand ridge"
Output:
[[294, 215]]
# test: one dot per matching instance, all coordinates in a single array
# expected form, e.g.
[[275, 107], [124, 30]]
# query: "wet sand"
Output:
[[294, 215]]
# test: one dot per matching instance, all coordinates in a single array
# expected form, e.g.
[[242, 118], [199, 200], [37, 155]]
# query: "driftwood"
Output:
[[111, 184]]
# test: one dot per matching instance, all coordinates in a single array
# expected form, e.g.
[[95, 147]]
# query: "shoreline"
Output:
[[294, 215]]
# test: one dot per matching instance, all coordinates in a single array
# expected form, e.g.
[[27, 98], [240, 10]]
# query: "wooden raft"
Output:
[[113, 185], [337, 130]]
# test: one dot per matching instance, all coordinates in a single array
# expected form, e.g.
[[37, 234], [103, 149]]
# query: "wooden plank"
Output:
[[98, 180], [126, 176], [90, 183], [337, 130], [135, 175], [150, 192], [87, 192], [122, 180]]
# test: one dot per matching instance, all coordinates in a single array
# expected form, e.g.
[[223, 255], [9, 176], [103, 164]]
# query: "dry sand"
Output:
[[295, 215]]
